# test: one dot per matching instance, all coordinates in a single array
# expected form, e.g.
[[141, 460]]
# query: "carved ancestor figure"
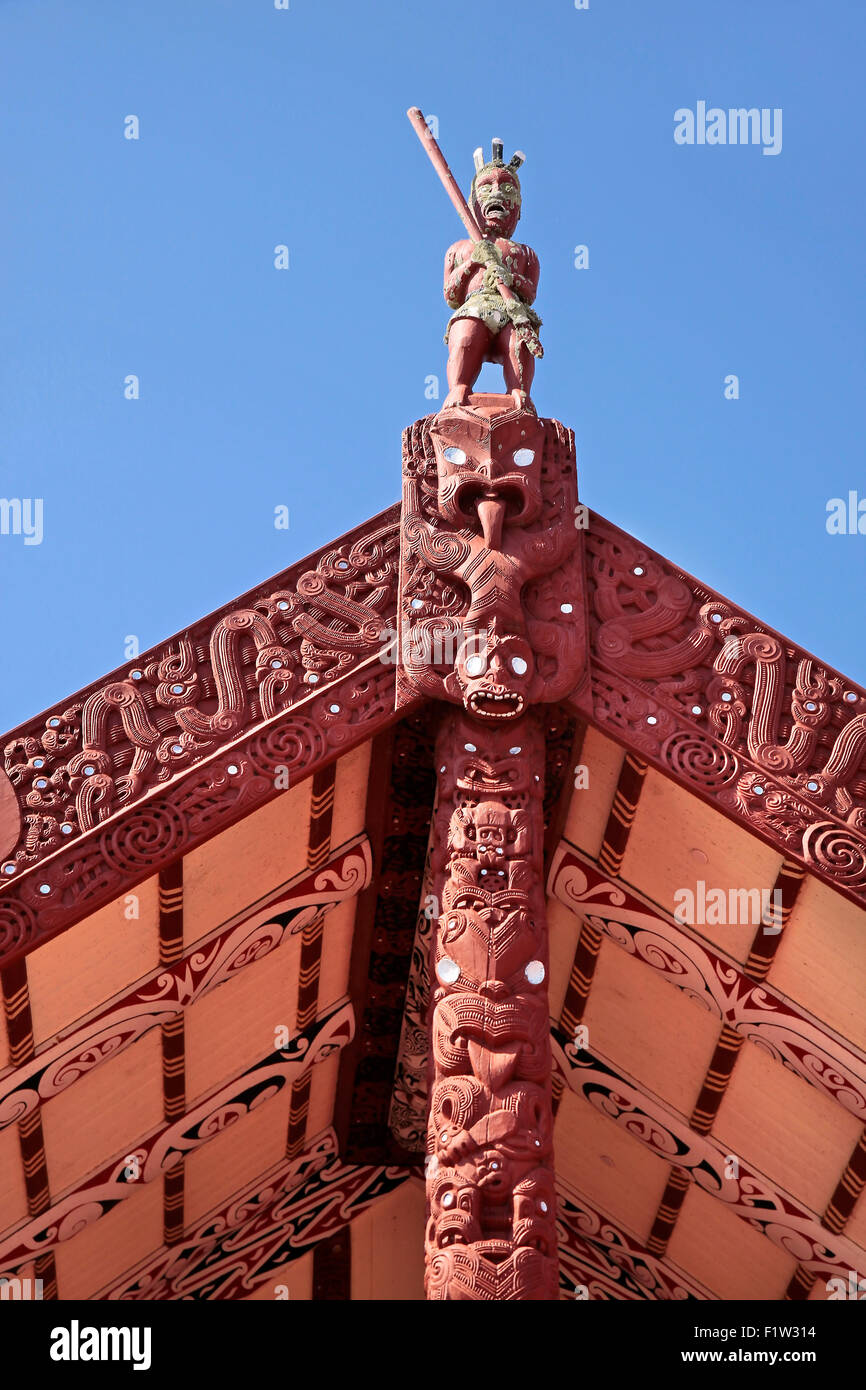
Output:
[[491, 1231], [490, 280], [485, 327]]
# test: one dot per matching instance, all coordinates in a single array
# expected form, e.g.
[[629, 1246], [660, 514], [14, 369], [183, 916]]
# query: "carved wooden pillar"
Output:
[[491, 1231], [492, 621]]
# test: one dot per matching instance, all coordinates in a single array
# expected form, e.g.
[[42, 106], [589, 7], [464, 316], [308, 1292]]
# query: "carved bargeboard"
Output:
[[728, 707]]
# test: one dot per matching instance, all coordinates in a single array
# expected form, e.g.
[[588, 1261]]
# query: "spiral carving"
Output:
[[17, 927], [698, 759], [832, 847], [144, 837], [294, 742]]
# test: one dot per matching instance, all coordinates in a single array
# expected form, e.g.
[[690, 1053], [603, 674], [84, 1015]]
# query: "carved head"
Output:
[[495, 832], [494, 679], [496, 772], [534, 1211], [454, 1212], [495, 194], [489, 470]]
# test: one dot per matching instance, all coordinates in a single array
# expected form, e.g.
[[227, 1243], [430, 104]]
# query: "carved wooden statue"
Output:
[[490, 280]]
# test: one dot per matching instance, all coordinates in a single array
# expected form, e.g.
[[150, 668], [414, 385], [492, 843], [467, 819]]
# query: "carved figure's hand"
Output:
[[497, 275], [485, 253]]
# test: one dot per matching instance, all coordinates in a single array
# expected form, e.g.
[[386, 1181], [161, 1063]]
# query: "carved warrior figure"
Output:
[[490, 280], [485, 327]]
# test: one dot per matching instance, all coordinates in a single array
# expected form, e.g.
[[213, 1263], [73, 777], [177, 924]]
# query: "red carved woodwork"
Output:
[[492, 592], [488, 325], [10, 817], [651, 656], [189, 738], [491, 614], [728, 708], [491, 1230]]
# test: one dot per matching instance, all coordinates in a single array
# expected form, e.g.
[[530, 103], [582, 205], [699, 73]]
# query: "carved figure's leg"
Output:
[[468, 340], [518, 365]]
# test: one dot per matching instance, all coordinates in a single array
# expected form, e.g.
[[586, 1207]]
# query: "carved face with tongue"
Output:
[[481, 463], [499, 1037]]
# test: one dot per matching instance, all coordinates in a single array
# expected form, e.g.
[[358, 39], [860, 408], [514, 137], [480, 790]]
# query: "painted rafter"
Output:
[[155, 1153], [163, 994], [750, 1195], [714, 980], [594, 1249], [277, 1218]]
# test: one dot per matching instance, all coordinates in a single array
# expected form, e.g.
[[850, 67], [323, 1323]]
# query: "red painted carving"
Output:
[[490, 280], [485, 327], [10, 817], [492, 592], [728, 707], [189, 738], [491, 1230], [491, 620]]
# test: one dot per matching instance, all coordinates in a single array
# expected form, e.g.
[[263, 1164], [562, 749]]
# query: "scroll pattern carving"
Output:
[[178, 704], [96, 867], [729, 707], [491, 1230]]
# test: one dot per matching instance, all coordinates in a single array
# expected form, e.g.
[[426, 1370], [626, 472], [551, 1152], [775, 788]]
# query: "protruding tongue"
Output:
[[491, 514], [494, 1067]]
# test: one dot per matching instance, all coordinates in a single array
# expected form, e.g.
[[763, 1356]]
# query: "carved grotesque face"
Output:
[[534, 1207], [454, 1209], [496, 772], [496, 199], [498, 464], [494, 834], [495, 676]]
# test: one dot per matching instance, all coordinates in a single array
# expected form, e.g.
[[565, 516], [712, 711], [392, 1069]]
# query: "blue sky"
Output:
[[261, 388]]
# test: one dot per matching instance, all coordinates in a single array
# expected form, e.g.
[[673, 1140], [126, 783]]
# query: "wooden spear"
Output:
[[449, 183]]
